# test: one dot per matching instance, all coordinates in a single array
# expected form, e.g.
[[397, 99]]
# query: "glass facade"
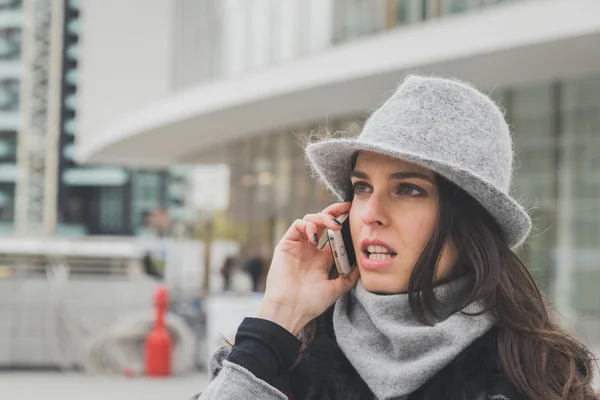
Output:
[[580, 190], [215, 38], [114, 201], [147, 196], [356, 18], [557, 133], [220, 38], [270, 184]]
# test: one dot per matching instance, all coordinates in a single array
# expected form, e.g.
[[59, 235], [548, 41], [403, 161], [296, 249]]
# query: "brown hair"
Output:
[[540, 360]]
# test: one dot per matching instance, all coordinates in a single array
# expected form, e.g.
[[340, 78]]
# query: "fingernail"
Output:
[[316, 238], [335, 221]]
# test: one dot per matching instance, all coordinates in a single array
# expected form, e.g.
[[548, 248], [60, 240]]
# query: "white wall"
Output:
[[126, 58]]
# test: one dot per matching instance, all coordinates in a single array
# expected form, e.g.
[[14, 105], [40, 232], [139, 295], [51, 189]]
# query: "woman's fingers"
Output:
[[299, 230], [337, 208], [312, 232], [344, 283], [315, 224], [323, 220]]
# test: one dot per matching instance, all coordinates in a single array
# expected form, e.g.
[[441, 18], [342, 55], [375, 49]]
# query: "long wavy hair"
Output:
[[542, 361]]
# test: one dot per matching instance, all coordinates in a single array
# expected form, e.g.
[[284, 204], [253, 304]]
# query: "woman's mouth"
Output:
[[375, 256], [379, 253]]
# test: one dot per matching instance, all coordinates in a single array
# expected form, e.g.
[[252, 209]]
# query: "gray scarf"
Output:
[[392, 351]]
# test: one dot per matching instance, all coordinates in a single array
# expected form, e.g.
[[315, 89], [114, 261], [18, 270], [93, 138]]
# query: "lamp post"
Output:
[[206, 217], [209, 192]]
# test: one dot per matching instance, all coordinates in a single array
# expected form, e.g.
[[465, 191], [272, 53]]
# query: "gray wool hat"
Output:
[[444, 125]]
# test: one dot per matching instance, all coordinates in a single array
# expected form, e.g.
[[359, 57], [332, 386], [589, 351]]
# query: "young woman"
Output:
[[439, 306]]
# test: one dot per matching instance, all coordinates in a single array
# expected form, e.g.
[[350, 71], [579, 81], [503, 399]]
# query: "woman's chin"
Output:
[[382, 283]]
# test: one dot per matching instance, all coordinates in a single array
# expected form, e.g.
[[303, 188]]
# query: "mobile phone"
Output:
[[340, 243]]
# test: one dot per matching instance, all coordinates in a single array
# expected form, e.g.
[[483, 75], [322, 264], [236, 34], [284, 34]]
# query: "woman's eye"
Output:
[[360, 188], [409, 190]]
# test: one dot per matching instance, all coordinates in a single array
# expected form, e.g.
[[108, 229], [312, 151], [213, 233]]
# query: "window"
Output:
[[9, 95], [10, 4], [111, 210], [580, 103], [407, 11], [8, 147], [536, 174], [146, 196], [10, 43], [7, 202], [557, 141], [74, 209], [354, 18]]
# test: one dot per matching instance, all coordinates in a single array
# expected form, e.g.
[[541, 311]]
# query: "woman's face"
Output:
[[394, 213]]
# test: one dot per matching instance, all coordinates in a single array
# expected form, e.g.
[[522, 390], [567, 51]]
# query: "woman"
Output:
[[439, 307]]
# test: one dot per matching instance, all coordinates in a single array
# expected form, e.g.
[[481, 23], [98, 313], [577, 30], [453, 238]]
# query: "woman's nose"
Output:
[[372, 212]]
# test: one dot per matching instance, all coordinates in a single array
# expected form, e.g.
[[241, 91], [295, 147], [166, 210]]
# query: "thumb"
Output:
[[344, 283]]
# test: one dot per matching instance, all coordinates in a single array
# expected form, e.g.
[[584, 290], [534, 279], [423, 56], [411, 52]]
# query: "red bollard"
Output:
[[159, 346]]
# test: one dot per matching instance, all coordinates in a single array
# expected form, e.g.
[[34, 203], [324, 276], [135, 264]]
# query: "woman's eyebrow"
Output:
[[410, 174], [359, 174], [395, 175]]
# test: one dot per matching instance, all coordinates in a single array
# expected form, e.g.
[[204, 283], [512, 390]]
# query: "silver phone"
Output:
[[340, 243]]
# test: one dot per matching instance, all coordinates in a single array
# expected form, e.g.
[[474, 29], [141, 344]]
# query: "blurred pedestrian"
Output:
[[150, 267], [226, 271], [438, 306], [254, 266]]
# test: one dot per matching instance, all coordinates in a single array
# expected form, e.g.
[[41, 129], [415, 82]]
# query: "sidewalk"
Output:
[[72, 386]]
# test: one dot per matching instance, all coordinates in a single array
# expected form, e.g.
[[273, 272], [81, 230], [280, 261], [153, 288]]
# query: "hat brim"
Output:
[[332, 162]]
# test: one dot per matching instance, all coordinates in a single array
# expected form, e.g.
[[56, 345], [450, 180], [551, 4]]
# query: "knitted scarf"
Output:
[[393, 352]]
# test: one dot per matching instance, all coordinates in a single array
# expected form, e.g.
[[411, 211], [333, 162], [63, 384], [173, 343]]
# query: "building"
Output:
[[240, 81], [42, 189], [10, 73]]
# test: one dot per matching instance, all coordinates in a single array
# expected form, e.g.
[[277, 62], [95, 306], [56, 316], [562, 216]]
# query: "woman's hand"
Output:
[[298, 284]]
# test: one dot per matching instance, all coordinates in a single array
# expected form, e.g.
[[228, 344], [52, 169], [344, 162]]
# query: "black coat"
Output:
[[325, 374]]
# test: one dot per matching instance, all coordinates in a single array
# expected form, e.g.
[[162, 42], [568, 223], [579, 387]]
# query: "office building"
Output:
[[43, 190], [10, 73], [242, 81]]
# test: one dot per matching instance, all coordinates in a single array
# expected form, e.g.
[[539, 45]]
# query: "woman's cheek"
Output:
[[355, 224], [417, 228]]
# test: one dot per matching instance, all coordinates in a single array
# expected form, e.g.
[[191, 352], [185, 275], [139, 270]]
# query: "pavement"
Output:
[[73, 386]]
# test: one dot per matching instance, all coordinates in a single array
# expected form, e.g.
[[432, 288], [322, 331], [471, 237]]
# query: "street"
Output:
[[73, 386]]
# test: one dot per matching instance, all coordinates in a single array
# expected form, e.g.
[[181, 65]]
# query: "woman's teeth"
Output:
[[376, 256], [377, 249], [379, 253]]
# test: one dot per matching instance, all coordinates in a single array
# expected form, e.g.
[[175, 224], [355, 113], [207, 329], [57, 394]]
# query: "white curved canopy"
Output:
[[516, 44]]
